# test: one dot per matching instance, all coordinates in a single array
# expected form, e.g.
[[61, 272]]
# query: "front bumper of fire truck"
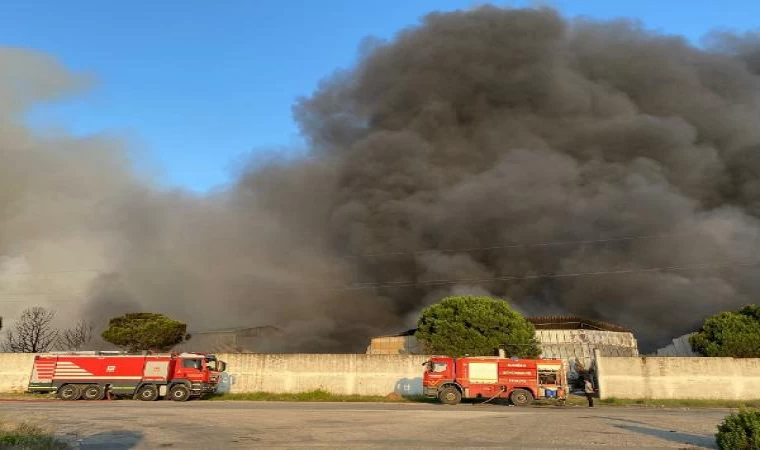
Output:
[[203, 388], [430, 391]]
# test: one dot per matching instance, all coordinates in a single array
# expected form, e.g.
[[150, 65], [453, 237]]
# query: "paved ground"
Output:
[[130, 424]]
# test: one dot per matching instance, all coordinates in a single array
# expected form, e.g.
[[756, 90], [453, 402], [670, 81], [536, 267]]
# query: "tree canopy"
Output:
[[145, 331], [476, 326], [730, 334]]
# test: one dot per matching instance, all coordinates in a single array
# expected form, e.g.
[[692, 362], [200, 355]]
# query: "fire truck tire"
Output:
[[450, 395], [521, 397], [179, 393], [93, 392], [148, 393], [70, 392]]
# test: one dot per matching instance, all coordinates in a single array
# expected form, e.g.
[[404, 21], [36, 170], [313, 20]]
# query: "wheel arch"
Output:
[[525, 388], [453, 384], [182, 381]]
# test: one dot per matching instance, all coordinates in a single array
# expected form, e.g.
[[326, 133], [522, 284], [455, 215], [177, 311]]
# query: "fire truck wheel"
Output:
[[92, 392], [148, 393], [450, 395], [179, 393], [521, 397], [70, 392]]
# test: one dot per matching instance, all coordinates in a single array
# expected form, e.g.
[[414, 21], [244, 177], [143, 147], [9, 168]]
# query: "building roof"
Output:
[[403, 333], [554, 323], [573, 323], [244, 331]]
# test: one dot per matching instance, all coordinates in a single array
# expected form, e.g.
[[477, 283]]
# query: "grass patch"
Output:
[[22, 435], [572, 400], [682, 403], [316, 396], [25, 396], [324, 396]]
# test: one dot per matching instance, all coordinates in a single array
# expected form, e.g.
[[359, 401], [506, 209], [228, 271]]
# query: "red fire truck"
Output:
[[97, 375], [520, 380]]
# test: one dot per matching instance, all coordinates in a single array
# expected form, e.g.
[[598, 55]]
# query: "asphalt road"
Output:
[[131, 424]]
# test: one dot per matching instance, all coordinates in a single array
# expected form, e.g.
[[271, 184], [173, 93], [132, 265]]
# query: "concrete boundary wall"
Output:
[[282, 373], [678, 378], [347, 374], [361, 374], [15, 370]]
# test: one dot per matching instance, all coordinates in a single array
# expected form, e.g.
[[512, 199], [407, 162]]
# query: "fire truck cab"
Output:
[[519, 380], [97, 375]]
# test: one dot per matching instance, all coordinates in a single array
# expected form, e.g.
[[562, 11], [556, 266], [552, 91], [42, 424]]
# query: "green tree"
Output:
[[476, 326], [730, 334], [145, 331]]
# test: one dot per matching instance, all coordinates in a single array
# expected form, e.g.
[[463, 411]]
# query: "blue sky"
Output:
[[197, 85]]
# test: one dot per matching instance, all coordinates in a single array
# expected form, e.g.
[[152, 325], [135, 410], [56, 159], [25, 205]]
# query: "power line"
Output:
[[403, 284], [431, 251], [29, 273], [442, 282], [20, 296], [528, 245]]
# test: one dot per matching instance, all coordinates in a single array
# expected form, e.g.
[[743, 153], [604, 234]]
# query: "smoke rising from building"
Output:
[[477, 129]]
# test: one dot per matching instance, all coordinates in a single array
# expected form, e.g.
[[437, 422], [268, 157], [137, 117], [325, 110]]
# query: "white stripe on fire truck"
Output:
[[69, 368]]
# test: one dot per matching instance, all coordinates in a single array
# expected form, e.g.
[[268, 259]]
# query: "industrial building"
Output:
[[570, 338], [236, 340], [574, 339], [679, 347], [403, 343]]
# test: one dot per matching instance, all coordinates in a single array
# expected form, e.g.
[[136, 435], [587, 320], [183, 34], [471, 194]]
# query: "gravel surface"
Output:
[[237, 424]]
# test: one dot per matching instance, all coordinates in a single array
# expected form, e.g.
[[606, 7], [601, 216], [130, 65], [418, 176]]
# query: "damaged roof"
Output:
[[554, 323], [573, 323]]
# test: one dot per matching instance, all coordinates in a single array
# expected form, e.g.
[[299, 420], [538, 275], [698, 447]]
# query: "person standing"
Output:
[[589, 390]]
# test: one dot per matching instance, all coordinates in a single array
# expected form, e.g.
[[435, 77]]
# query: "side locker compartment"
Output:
[[156, 372], [43, 369]]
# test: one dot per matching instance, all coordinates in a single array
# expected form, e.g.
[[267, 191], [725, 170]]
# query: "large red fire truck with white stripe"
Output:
[[519, 380], [97, 375]]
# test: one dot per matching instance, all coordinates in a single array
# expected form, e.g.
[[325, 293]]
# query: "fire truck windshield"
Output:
[[216, 365], [438, 367]]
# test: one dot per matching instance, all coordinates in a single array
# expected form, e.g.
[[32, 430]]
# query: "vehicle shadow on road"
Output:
[[111, 440], [673, 436]]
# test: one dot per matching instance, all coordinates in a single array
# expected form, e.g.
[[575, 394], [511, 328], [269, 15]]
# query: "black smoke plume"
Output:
[[591, 168]]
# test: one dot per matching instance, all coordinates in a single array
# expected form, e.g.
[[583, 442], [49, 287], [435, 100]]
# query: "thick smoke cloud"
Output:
[[478, 130]]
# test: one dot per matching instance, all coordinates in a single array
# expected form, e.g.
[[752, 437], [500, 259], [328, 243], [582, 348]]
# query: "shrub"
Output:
[[740, 431], [27, 436]]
